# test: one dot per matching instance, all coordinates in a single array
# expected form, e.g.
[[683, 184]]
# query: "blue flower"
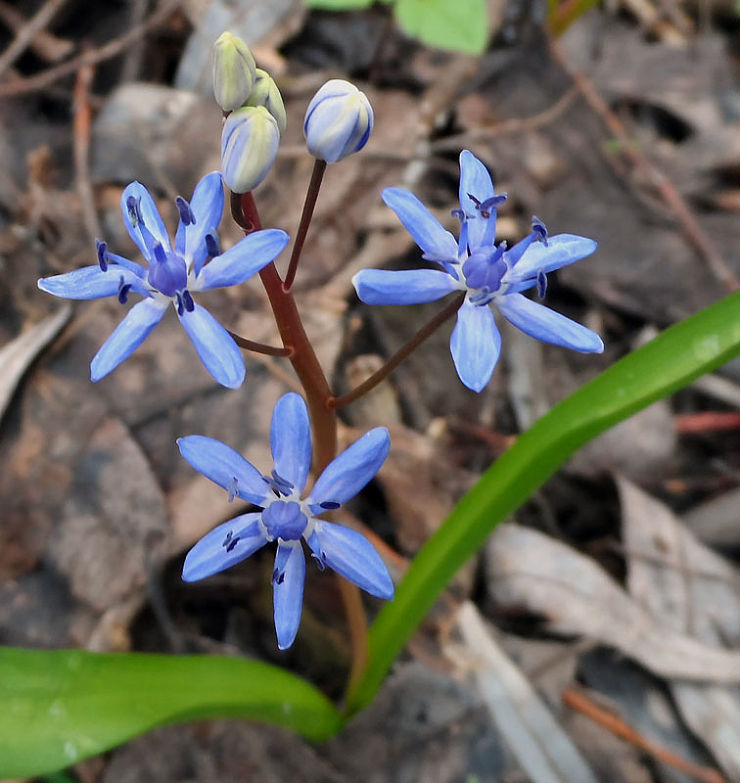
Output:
[[172, 276], [486, 272], [286, 517]]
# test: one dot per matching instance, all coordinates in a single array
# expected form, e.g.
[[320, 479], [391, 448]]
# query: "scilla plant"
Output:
[[80, 703]]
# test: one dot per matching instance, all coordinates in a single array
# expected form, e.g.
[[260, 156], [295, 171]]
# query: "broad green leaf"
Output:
[[671, 361], [338, 5], [61, 706], [449, 24]]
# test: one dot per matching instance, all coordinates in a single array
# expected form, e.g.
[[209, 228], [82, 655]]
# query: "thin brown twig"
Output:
[[93, 57], [25, 34], [82, 124], [268, 350], [47, 46], [662, 184], [607, 720]]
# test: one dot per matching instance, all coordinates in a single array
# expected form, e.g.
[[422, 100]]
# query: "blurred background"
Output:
[[610, 603]]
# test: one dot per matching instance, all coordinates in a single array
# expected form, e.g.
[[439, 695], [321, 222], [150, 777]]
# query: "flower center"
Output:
[[284, 519], [484, 270], [168, 272]]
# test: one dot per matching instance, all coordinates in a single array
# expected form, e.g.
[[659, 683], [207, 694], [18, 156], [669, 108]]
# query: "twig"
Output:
[[47, 46], [508, 127], [580, 702], [93, 57], [707, 421], [667, 190], [82, 122], [25, 35]]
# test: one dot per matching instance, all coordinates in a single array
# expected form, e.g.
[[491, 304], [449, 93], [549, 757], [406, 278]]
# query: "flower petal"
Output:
[[153, 229], [290, 439], [475, 345], [348, 473], [428, 233], [475, 180], [91, 282], [127, 337], [351, 555], [225, 546], [545, 324], [215, 347], [207, 205], [288, 579], [242, 260], [561, 250], [412, 286], [225, 467]]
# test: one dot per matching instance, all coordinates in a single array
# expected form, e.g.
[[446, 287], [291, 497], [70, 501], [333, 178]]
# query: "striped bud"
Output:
[[249, 144], [265, 93], [233, 72]]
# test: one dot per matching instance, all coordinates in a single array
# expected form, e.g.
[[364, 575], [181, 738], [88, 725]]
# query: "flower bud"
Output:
[[338, 121], [233, 72], [265, 93], [249, 144]]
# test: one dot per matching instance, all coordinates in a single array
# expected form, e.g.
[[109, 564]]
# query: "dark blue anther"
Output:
[[278, 483], [278, 577], [133, 207], [320, 560], [459, 214], [123, 289], [187, 300], [102, 254], [186, 213], [212, 247], [180, 308], [160, 254], [484, 207], [541, 284], [230, 541], [539, 228], [329, 505]]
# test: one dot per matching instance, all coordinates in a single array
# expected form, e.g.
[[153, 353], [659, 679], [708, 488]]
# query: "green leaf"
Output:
[[449, 24], [61, 706], [675, 358], [338, 5]]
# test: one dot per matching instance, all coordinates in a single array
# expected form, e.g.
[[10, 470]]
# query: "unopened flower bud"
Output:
[[338, 121], [249, 144], [233, 72], [265, 93]]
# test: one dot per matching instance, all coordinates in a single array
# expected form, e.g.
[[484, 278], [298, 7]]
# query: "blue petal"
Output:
[[225, 467], [351, 555], [127, 337], [413, 286], [475, 345], [545, 324], [290, 439], [153, 229], [242, 260], [207, 205], [91, 282], [288, 591], [561, 250], [215, 347], [225, 546], [348, 473], [475, 179], [428, 233]]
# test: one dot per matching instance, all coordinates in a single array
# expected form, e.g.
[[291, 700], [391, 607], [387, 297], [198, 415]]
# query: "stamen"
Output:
[[459, 214], [187, 300], [102, 248], [123, 289], [320, 560], [541, 284], [180, 308], [212, 246], [278, 577], [233, 485], [278, 484], [479, 206], [160, 254], [494, 201], [133, 207], [539, 228], [329, 505], [186, 213]]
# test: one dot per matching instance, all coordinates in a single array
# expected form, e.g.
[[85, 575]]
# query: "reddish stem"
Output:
[[251, 345], [319, 167]]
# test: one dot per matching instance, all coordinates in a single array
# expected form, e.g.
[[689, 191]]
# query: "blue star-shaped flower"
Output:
[[286, 517], [486, 272], [172, 276]]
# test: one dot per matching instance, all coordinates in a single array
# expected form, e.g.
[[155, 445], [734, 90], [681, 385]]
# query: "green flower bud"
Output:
[[265, 93], [339, 120], [233, 72], [249, 144]]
